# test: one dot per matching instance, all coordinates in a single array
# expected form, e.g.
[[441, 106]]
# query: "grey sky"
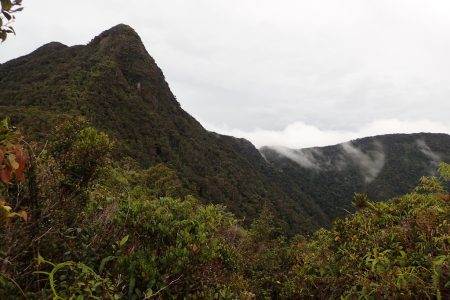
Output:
[[294, 73]]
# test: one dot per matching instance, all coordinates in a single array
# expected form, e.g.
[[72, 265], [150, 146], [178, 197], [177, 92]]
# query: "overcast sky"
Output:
[[294, 73]]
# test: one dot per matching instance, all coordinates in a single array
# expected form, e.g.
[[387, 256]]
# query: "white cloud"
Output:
[[307, 158], [370, 163], [434, 158], [300, 135]]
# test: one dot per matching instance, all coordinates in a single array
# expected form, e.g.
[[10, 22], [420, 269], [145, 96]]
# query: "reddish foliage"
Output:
[[6, 170], [445, 197], [13, 160], [22, 160], [24, 215], [5, 174]]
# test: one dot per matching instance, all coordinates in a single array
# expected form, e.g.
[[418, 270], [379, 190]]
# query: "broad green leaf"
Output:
[[123, 240], [104, 262], [6, 4]]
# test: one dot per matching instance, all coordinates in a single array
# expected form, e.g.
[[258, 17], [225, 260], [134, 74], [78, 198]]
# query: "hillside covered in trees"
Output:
[[114, 84], [382, 167], [77, 225], [110, 190]]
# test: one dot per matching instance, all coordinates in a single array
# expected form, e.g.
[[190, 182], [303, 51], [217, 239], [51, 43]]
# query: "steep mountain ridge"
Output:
[[115, 84], [382, 166]]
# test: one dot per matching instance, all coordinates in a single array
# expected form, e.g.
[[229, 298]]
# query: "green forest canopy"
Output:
[[113, 235]]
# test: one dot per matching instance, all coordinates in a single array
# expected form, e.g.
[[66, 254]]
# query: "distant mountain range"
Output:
[[383, 166], [116, 85]]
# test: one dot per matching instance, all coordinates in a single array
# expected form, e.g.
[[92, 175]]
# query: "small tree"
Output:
[[262, 228], [80, 152]]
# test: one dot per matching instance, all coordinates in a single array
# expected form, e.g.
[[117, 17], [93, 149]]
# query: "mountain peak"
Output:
[[117, 86], [119, 34], [120, 29]]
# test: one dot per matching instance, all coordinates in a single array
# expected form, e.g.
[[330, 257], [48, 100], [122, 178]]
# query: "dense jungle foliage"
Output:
[[115, 84], [117, 193], [77, 224]]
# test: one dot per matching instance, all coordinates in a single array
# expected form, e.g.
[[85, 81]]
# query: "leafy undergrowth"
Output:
[[82, 226], [395, 249]]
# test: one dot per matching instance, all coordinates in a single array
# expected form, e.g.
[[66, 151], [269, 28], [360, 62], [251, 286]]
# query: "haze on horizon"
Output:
[[289, 73]]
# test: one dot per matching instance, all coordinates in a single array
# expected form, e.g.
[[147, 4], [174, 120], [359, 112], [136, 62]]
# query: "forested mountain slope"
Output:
[[90, 215], [382, 166], [116, 85]]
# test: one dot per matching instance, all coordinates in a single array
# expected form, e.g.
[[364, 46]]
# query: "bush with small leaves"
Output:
[[393, 250], [80, 152], [8, 9]]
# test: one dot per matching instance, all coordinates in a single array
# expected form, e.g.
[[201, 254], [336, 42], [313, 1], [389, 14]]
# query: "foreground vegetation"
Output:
[[76, 224]]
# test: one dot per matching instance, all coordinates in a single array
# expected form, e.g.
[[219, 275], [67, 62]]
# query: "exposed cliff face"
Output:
[[117, 86]]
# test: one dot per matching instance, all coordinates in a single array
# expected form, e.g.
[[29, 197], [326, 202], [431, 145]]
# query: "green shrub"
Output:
[[396, 249]]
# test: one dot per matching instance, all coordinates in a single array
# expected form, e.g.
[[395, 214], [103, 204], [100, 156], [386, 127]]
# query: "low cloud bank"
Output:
[[434, 158], [306, 158], [370, 163], [300, 135], [290, 141], [425, 149]]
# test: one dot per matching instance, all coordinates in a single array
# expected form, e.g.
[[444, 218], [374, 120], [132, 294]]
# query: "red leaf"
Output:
[[24, 215], [2, 157], [5, 174], [21, 159], [20, 176]]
